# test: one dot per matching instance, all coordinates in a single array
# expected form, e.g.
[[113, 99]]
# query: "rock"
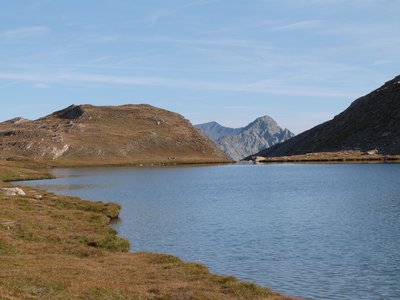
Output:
[[372, 152], [59, 152], [8, 224], [257, 158], [38, 197], [18, 120], [13, 191]]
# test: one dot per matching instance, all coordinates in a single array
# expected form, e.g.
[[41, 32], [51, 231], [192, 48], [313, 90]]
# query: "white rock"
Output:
[[13, 191], [372, 152], [59, 152]]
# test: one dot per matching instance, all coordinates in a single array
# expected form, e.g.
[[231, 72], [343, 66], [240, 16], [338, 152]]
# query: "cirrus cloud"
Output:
[[25, 32]]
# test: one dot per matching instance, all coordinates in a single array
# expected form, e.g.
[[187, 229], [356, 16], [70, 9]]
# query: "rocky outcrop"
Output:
[[73, 112], [13, 191], [87, 134], [17, 120], [371, 122], [238, 143]]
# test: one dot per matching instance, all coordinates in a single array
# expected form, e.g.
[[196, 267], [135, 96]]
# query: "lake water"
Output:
[[318, 231]]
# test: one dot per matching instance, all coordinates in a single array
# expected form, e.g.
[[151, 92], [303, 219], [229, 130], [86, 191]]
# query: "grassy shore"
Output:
[[58, 247]]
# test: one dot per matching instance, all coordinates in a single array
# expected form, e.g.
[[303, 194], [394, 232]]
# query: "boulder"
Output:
[[13, 191]]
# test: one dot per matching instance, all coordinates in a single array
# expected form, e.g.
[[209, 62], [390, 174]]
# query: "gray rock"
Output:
[[13, 191]]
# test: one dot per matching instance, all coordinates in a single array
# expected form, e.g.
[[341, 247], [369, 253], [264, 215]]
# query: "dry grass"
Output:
[[57, 247]]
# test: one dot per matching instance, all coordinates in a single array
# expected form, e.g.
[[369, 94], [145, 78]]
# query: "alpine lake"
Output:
[[317, 231]]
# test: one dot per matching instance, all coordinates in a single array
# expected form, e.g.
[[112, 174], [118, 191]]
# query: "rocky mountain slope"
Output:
[[238, 143], [87, 135], [371, 122], [216, 131]]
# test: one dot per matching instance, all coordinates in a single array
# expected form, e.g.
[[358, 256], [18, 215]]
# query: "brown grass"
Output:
[[57, 247]]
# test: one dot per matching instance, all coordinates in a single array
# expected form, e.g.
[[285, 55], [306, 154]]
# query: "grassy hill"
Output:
[[91, 135]]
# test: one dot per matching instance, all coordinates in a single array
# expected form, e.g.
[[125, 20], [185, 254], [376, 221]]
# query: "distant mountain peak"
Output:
[[212, 123], [265, 118], [265, 121], [238, 143]]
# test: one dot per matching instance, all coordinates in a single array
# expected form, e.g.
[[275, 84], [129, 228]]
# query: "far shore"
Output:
[[350, 156]]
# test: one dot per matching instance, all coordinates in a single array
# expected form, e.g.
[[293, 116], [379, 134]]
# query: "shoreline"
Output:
[[115, 248], [338, 157]]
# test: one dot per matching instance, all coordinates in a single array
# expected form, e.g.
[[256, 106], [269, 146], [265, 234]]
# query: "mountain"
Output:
[[238, 143], [216, 131], [371, 122], [89, 135]]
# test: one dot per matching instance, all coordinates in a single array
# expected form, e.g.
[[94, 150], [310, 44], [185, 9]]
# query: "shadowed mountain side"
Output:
[[371, 122], [87, 135]]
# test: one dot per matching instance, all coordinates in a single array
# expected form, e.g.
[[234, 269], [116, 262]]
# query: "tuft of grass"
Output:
[[101, 293], [226, 279], [164, 259], [6, 248], [36, 287], [112, 243], [248, 289]]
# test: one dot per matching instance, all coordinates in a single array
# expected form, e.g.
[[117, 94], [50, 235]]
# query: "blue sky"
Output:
[[299, 61]]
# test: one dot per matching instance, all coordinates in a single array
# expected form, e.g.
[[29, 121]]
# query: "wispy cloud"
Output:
[[201, 2], [309, 24], [25, 32], [7, 84], [161, 13], [221, 42], [40, 85], [101, 39], [257, 87], [157, 15]]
